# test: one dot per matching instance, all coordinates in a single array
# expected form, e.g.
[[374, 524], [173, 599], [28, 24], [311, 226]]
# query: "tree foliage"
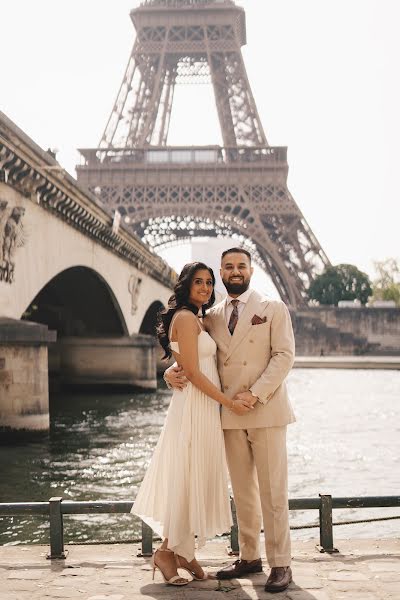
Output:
[[387, 285], [342, 282]]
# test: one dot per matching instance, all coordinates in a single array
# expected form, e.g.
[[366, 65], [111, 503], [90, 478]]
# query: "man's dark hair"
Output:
[[236, 251]]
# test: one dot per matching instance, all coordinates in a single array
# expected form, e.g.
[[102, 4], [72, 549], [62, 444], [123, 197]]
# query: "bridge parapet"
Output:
[[38, 176]]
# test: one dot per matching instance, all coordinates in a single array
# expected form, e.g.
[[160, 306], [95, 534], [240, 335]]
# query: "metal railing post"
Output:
[[233, 550], [56, 529], [147, 541], [325, 525]]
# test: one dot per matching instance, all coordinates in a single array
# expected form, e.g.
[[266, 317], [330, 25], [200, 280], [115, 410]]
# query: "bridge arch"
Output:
[[148, 325], [77, 301]]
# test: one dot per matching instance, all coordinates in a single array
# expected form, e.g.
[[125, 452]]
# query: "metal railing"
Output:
[[56, 508]]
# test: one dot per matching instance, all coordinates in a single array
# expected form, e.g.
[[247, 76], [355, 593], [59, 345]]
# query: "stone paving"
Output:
[[361, 570]]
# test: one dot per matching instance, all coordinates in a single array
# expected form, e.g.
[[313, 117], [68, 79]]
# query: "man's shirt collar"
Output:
[[242, 298]]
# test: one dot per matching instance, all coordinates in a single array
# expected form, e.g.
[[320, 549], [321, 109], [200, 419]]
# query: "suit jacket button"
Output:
[[244, 363], [251, 341], [226, 387], [226, 364]]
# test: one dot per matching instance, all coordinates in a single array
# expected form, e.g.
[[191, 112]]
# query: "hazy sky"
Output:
[[324, 73]]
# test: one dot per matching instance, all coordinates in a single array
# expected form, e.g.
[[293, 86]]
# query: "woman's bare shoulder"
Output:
[[185, 317]]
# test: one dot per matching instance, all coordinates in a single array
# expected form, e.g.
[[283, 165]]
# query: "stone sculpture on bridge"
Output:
[[134, 286], [11, 236]]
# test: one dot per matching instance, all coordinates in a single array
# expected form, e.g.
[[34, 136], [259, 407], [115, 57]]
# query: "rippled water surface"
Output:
[[346, 442]]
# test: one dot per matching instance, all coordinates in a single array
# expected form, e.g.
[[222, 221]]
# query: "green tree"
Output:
[[387, 285], [343, 282]]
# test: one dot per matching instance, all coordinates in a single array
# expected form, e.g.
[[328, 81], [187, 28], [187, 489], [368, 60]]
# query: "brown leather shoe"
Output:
[[278, 579], [240, 568]]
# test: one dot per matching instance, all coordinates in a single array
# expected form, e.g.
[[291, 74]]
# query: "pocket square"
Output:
[[256, 320]]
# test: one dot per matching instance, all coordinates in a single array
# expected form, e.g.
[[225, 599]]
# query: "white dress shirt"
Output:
[[242, 303]]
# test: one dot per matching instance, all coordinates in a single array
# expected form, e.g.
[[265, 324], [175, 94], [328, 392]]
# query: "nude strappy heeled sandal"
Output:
[[189, 570], [176, 579]]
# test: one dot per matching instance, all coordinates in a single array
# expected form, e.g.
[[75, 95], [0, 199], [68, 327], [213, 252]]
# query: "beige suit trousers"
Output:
[[257, 461]]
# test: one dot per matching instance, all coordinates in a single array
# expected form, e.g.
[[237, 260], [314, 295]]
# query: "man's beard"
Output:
[[236, 288]]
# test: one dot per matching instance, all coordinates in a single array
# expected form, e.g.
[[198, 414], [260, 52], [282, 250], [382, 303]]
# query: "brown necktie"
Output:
[[234, 316]]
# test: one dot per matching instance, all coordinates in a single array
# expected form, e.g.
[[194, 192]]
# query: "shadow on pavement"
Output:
[[217, 590]]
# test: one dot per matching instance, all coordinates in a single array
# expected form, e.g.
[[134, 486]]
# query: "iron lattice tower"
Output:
[[168, 194]]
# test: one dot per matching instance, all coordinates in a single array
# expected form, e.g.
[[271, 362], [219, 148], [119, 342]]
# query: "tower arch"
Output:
[[241, 187]]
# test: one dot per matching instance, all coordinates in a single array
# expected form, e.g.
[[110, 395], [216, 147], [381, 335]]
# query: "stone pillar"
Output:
[[113, 361], [24, 390]]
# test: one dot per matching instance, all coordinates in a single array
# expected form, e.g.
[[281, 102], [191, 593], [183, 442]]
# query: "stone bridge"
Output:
[[72, 279]]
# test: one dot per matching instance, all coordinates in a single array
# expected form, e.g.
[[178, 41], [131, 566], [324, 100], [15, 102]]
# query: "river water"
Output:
[[346, 442]]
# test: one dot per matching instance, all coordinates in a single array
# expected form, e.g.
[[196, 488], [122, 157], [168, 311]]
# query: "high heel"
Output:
[[189, 570], [175, 579]]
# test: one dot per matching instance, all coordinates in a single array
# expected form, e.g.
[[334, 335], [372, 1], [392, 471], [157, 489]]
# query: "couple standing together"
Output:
[[237, 354]]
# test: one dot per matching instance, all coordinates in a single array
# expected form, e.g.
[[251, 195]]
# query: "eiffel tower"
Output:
[[169, 194]]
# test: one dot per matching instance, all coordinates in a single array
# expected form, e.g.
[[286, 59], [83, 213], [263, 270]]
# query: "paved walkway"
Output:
[[362, 570]]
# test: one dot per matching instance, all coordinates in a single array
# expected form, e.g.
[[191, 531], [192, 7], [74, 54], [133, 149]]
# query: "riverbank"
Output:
[[361, 570], [347, 362]]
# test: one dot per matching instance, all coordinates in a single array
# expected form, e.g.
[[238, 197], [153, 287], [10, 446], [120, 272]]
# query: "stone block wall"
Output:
[[97, 361], [379, 325], [347, 331], [24, 392]]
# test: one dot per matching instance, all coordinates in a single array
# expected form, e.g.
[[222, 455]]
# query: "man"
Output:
[[255, 351]]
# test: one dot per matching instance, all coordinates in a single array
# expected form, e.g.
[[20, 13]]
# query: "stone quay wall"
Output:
[[24, 392], [330, 330]]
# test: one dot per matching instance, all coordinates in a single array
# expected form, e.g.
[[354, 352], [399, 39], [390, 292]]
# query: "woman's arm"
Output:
[[186, 329]]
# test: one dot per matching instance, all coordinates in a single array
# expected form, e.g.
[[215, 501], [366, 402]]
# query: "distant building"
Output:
[[383, 304], [349, 304]]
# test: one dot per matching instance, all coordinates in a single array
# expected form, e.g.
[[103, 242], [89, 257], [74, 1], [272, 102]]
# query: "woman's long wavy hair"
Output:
[[180, 299]]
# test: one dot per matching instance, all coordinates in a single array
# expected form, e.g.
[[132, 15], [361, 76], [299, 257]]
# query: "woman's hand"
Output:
[[241, 407]]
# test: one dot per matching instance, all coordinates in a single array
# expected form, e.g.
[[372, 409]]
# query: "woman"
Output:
[[185, 490]]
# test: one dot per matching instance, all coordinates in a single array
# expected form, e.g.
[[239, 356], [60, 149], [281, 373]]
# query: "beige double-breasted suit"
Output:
[[257, 357]]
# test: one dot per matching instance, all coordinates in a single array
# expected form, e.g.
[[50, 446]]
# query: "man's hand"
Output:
[[241, 407], [247, 396], [175, 376]]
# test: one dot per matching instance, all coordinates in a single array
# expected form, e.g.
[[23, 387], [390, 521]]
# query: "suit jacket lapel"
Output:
[[220, 326]]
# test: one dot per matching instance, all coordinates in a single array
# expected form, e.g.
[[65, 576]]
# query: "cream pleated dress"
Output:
[[185, 490]]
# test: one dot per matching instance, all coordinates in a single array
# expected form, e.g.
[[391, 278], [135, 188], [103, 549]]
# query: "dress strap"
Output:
[[200, 326], [170, 326], [172, 322]]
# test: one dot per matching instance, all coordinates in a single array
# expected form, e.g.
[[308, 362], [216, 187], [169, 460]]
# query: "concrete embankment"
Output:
[[361, 570], [347, 362]]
